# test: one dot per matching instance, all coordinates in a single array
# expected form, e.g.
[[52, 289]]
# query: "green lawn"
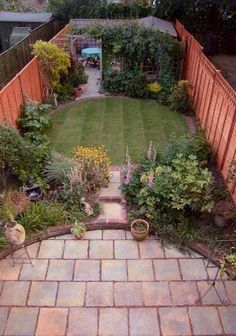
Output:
[[117, 123]]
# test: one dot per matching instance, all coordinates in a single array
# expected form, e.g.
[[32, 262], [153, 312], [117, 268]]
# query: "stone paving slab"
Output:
[[107, 284]]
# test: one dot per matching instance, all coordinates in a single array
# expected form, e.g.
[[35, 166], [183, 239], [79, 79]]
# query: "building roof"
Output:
[[24, 17], [148, 22], [159, 24]]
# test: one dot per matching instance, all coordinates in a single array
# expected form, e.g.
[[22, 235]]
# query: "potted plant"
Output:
[[78, 230], [139, 229]]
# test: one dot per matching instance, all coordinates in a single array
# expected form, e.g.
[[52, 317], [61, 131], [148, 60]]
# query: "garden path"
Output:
[[113, 204], [93, 85]]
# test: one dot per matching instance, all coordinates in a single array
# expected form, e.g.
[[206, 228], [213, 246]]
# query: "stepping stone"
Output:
[[112, 191], [112, 210]]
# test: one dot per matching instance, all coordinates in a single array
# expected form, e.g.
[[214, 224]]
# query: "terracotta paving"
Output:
[[109, 285]]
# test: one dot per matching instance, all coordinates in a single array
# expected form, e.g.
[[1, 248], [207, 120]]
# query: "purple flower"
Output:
[[151, 180]]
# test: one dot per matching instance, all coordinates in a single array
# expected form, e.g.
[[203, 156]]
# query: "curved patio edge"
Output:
[[60, 230]]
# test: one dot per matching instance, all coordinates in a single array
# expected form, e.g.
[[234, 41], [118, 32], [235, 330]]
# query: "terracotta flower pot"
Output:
[[77, 92], [79, 236], [139, 234], [83, 87]]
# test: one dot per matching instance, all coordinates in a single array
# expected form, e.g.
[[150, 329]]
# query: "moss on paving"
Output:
[[117, 123]]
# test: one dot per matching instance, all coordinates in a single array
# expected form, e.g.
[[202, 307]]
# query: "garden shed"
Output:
[[10, 20]]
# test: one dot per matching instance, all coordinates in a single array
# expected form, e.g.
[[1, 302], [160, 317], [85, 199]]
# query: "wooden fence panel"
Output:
[[26, 84], [214, 102]]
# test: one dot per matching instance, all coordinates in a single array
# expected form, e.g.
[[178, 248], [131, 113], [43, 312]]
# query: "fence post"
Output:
[[197, 76], [228, 139]]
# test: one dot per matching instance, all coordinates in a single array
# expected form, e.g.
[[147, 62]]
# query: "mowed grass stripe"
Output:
[[113, 129], [134, 136]]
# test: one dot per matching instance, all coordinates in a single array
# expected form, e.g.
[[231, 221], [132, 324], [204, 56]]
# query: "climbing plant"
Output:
[[131, 45]]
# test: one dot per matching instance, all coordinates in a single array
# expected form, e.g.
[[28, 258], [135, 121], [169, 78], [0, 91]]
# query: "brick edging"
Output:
[[65, 229]]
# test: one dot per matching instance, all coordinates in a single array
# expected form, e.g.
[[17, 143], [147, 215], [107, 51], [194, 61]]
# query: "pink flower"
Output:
[[128, 177], [151, 180]]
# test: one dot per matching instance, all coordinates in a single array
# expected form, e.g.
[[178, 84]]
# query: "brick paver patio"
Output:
[[109, 285]]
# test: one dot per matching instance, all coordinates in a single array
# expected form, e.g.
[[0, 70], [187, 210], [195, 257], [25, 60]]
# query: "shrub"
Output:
[[40, 216], [54, 62], [34, 117], [132, 84], [182, 186], [94, 167], [18, 156], [186, 145], [179, 98]]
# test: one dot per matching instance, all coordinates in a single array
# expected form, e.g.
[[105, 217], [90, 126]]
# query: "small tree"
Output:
[[54, 62]]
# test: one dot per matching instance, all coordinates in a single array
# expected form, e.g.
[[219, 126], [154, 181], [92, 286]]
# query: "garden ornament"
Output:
[[86, 207], [15, 233]]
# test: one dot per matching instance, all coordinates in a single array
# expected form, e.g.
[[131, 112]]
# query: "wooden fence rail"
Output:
[[214, 102]]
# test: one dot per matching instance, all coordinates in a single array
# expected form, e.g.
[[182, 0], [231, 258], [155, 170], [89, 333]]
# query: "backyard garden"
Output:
[[53, 166]]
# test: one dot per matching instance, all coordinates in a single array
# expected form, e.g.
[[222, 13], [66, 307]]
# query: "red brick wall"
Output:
[[214, 102]]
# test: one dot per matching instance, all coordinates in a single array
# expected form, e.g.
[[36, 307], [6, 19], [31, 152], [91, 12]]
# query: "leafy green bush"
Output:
[[40, 216], [65, 92], [132, 84], [183, 186], [34, 117], [179, 98], [195, 144], [20, 157]]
